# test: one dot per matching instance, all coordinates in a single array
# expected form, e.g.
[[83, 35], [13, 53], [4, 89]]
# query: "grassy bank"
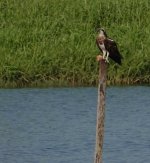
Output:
[[54, 41]]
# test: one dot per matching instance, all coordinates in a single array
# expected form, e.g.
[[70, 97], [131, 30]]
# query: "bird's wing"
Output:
[[111, 44], [113, 50], [112, 47]]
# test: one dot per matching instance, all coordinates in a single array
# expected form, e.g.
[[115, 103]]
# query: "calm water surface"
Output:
[[57, 125]]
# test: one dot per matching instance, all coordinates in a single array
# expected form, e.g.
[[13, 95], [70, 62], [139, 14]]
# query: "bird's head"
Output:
[[101, 35], [101, 31]]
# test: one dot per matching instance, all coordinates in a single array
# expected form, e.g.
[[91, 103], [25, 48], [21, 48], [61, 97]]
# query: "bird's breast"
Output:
[[102, 46]]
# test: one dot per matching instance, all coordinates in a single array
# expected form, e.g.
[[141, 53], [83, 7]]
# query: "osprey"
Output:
[[108, 47]]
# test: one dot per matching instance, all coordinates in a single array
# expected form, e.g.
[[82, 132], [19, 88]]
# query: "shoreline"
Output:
[[60, 83]]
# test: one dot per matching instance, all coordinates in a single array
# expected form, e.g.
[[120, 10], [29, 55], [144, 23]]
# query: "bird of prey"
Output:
[[108, 47]]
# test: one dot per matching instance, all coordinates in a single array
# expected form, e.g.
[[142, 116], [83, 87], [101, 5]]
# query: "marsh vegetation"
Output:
[[53, 42]]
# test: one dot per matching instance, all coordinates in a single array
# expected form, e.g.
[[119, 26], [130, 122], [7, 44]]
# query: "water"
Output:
[[57, 125]]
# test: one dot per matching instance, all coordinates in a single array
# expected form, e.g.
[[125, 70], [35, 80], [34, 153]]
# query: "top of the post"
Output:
[[100, 59]]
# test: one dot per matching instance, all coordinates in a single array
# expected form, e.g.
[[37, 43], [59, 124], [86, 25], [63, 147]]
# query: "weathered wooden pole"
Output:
[[100, 111]]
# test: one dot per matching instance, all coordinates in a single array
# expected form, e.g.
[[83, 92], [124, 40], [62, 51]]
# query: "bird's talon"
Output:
[[106, 60]]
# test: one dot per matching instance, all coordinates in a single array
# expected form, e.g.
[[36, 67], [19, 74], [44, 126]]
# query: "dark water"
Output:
[[57, 125]]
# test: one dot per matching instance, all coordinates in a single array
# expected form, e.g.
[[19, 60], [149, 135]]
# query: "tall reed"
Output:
[[54, 41]]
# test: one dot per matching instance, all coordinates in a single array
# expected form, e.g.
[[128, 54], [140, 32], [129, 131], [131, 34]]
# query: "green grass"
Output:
[[53, 41]]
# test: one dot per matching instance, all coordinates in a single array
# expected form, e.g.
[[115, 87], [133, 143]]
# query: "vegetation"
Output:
[[52, 42]]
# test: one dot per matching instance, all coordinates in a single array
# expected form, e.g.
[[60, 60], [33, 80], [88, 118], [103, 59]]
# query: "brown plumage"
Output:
[[111, 47]]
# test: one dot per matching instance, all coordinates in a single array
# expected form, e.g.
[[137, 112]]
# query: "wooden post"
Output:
[[100, 111]]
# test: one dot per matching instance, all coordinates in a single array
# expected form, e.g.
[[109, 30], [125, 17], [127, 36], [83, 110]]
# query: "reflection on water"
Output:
[[57, 125]]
